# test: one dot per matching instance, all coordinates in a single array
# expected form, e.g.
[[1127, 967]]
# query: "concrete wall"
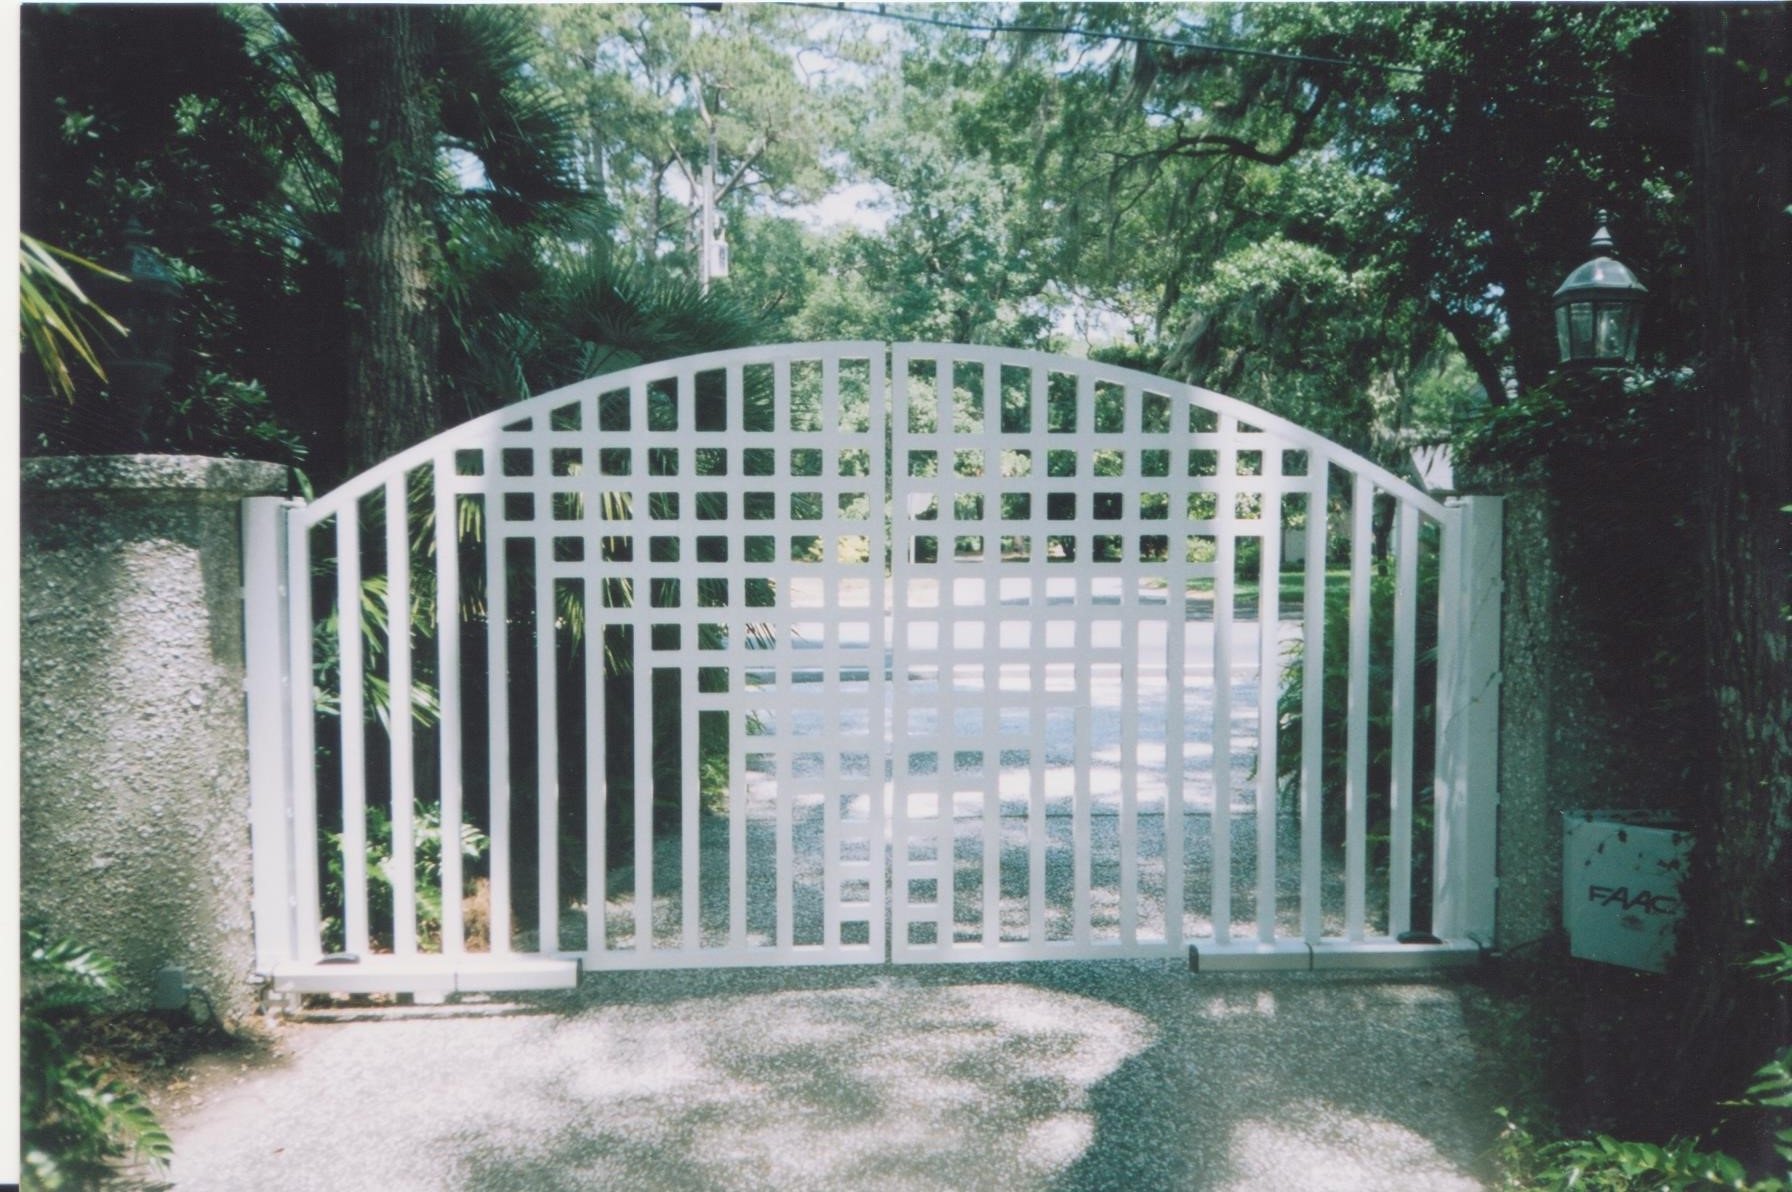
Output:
[[134, 783]]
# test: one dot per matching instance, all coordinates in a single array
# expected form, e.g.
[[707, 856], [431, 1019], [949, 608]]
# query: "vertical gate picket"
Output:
[[1176, 580], [1400, 789], [1312, 697], [307, 945], [690, 877], [1269, 621], [1224, 571], [398, 716], [547, 744], [497, 647], [641, 681], [448, 679], [597, 753], [1356, 779], [352, 722], [989, 571]]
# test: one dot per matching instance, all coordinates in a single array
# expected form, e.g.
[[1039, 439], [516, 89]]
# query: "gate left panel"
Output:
[[610, 688]]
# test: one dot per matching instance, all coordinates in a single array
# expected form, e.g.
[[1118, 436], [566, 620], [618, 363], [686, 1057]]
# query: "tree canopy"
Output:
[[1340, 212]]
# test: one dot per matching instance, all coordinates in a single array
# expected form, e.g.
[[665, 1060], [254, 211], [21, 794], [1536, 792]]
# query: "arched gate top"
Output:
[[488, 429]]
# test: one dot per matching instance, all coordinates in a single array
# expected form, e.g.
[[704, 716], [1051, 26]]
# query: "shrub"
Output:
[[1604, 1164], [78, 1114], [426, 833]]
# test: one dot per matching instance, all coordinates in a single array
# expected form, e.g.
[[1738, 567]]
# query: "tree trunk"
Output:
[[390, 115], [1741, 888]]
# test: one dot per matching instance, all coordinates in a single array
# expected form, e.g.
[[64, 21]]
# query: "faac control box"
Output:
[[1621, 874]]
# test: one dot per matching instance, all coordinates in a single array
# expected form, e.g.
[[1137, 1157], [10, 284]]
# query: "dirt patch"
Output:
[[177, 1061]]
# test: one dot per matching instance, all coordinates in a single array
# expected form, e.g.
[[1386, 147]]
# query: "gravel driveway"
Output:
[[1069, 1075]]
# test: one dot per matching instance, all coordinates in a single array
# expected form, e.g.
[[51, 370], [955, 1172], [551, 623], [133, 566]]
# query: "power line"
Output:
[[1133, 38]]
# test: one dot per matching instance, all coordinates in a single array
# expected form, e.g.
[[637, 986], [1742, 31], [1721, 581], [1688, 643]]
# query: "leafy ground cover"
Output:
[[1574, 1049]]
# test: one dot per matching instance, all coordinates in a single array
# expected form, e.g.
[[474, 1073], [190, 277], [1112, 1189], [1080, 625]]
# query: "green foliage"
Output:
[[168, 117], [1574, 414], [1294, 329], [376, 690], [79, 1116], [426, 836], [1605, 1164], [1356, 246], [1775, 966], [1770, 1091], [1602, 1163], [651, 82], [220, 414]]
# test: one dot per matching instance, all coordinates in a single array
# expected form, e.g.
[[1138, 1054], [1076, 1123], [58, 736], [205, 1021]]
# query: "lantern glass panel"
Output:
[[1611, 321], [1580, 329]]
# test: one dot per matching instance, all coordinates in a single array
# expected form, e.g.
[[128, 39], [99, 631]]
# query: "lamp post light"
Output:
[[141, 363], [1599, 309]]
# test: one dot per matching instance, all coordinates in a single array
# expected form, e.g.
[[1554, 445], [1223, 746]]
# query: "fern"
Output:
[[79, 1116]]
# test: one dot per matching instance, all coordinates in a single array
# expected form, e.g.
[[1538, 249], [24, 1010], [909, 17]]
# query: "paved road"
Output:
[[1124, 1075]]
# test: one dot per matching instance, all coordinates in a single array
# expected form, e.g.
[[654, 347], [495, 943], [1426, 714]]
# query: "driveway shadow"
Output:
[[1049, 1076], [1065, 1075]]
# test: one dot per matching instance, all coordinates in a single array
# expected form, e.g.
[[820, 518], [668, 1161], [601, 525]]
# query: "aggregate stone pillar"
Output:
[[1530, 852], [1566, 742], [134, 793]]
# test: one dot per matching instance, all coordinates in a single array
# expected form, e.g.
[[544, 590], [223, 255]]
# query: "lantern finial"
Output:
[[1602, 238]]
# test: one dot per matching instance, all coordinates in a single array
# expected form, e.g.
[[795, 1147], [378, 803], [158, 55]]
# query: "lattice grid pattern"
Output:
[[1010, 693], [1058, 527]]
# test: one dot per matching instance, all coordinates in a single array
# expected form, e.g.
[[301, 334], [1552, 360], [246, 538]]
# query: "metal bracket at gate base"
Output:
[[427, 974], [1300, 956]]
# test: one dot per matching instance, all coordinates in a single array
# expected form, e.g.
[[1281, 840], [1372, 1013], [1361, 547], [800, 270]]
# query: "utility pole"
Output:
[[707, 242], [712, 250]]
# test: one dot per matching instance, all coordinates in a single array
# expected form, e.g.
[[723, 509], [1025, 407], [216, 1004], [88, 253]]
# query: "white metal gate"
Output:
[[1010, 693]]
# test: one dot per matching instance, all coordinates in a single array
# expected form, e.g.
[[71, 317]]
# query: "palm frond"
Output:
[[55, 314]]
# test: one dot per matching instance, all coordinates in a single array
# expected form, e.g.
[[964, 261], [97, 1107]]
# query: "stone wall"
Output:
[[134, 794]]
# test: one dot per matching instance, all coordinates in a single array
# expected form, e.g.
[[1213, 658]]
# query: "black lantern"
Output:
[[1599, 309], [142, 361]]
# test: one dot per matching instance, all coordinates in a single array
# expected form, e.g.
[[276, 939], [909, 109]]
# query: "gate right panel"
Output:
[[1099, 583]]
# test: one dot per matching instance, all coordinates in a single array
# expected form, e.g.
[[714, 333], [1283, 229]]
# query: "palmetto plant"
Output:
[[56, 316], [78, 1115]]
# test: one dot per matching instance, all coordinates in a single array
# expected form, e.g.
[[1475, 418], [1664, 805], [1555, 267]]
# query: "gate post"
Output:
[[1468, 705], [133, 761], [268, 686]]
